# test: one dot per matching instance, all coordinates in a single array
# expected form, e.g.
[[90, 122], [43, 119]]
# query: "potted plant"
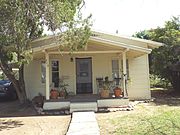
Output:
[[38, 100], [105, 88], [117, 91], [54, 94], [63, 89]]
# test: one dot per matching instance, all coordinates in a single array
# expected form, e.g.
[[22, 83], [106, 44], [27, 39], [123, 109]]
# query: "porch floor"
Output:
[[78, 98], [83, 98], [84, 102]]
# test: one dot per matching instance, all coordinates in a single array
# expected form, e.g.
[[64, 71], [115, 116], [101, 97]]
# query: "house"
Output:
[[105, 55], [1, 71]]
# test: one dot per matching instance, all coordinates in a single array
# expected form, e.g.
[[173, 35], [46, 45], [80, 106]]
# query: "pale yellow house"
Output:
[[105, 55]]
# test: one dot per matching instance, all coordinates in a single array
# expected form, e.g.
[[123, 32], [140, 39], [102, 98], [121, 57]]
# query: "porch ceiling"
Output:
[[130, 53], [98, 46]]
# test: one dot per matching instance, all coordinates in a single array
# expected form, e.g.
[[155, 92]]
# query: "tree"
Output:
[[165, 61], [24, 20]]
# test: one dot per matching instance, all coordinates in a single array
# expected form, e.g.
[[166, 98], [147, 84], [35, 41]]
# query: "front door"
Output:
[[83, 75]]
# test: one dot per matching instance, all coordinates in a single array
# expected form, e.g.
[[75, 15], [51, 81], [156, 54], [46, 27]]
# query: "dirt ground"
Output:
[[14, 109], [18, 120]]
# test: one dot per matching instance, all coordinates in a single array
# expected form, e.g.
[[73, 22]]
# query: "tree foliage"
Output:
[[24, 20], [165, 60]]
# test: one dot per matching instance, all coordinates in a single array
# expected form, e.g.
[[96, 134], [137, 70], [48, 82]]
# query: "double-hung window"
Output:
[[55, 72], [43, 71], [115, 71]]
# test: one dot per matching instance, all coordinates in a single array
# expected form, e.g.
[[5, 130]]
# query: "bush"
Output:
[[2, 76], [156, 81]]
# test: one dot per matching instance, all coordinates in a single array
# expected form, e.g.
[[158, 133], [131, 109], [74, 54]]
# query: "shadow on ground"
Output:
[[165, 97], [14, 109], [9, 124]]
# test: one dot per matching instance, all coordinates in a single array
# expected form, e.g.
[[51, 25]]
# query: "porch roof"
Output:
[[100, 42], [127, 39]]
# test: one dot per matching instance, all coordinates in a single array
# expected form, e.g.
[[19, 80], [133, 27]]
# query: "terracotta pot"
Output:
[[104, 93], [54, 94], [62, 93], [117, 92]]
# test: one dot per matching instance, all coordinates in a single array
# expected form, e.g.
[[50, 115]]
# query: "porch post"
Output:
[[124, 73], [47, 75]]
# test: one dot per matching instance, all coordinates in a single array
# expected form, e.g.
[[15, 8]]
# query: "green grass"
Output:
[[163, 120]]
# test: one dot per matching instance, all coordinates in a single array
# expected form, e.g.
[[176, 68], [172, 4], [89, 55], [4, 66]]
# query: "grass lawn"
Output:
[[146, 119]]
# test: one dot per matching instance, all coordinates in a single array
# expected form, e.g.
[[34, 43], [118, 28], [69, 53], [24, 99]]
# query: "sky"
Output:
[[130, 16]]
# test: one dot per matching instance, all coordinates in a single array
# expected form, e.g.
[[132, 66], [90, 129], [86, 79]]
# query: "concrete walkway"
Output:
[[83, 123]]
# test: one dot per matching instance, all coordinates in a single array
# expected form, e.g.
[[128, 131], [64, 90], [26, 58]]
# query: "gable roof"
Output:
[[120, 38], [110, 39]]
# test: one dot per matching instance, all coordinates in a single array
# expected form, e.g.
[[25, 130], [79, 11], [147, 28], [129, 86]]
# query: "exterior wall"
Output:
[[101, 67], [139, 85], [1, 71], [32, 74]]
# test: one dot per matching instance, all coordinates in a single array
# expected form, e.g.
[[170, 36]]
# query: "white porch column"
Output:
[[124, 73], [47, 75]]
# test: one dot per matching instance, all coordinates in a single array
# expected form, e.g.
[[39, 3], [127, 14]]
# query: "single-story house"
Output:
[[105, 55]]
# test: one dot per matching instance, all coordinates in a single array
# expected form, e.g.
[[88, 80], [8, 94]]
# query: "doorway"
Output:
[[83, 75]]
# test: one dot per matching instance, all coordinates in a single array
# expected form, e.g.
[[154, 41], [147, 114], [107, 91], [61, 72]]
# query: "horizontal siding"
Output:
[[101, 67], [138, 85], [33, 79]]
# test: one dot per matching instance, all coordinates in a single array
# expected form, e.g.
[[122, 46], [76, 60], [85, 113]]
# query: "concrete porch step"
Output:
[[56, 105], [83, 106]]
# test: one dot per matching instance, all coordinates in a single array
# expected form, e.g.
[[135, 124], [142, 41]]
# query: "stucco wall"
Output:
[[139, 85]]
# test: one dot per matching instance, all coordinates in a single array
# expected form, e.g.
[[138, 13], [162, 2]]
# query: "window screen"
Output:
[[43, 72], [55, 72], [115, 68]]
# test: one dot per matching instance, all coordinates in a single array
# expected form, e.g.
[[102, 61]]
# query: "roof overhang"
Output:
[[100, 40], [149, 43], [119, 44], [97, 43]]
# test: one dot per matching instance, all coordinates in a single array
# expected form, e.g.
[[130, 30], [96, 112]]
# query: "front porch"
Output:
[[104, 56], [84, 102], [81, 72]]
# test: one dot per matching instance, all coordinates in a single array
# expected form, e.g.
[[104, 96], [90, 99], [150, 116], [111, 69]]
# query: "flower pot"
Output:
[[54, 94], [62, 93], [117, 92], [104, 93]]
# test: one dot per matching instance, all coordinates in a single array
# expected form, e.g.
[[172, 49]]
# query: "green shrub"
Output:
[[156, 81], [2, 76]]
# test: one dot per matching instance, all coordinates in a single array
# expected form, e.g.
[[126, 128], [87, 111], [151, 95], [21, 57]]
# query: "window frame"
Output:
[[43, 80], [118, 71], [58, 71]]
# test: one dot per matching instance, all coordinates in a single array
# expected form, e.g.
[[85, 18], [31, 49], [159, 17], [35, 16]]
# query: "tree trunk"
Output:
[[23, 96], [19, 85]]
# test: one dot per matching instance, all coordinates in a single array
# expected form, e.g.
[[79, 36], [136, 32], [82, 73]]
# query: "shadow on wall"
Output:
[[9, 124]]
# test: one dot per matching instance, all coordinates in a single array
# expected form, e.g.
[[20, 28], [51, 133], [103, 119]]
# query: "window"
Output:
[[127, 67], [43, 71], [55, 72], [115, 71]]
